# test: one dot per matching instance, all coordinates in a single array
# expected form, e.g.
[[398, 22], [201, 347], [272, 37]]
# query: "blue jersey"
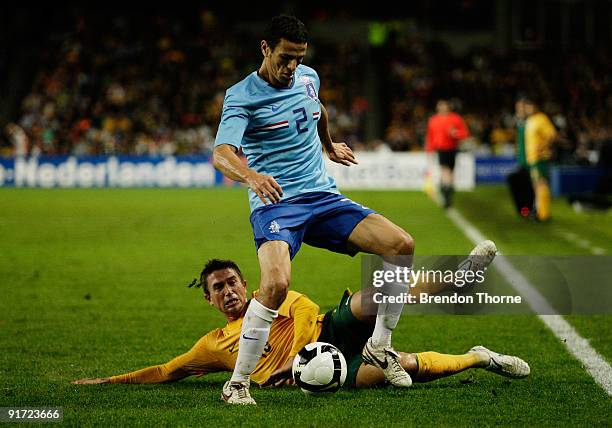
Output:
[[277, 130]]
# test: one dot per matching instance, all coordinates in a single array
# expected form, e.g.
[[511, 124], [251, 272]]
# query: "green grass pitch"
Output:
[[94, 283]]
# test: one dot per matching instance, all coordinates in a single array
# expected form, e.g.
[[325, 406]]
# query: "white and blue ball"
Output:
[[318, 368]]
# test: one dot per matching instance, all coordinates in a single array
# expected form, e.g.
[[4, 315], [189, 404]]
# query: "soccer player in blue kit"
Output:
[[275, 116]]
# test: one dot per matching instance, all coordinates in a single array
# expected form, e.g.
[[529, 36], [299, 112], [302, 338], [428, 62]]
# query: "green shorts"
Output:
[[347, 333], [541, 168]]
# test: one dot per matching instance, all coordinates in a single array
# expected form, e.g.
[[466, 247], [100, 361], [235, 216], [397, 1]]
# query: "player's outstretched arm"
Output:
[[155, 374], [337, 152], [195, 361], [199, 360], [227, 161]]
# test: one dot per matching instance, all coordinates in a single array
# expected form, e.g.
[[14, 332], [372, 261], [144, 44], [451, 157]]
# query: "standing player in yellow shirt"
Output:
[[539, 136], [298, 324]]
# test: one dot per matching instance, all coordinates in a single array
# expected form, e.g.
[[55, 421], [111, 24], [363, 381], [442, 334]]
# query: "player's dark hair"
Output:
[[211, 266], [533, 99], [521, 96], [285, 27]]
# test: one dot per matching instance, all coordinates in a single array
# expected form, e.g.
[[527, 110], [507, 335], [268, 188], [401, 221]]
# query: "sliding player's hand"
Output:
[[280, 377], [265, 187], [92, 381], [342, 154]]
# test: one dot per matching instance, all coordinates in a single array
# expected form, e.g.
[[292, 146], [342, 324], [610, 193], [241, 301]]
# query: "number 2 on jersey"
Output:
[[299, 122]]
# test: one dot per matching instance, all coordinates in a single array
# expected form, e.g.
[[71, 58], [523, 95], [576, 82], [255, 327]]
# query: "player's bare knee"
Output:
[[403, 244], [409, 362]]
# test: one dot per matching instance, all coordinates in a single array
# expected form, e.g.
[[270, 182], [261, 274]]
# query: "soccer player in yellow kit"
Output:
[[298, 324], [539, 135]]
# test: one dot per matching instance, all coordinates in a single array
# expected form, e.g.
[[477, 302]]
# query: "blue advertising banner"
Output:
[[494, 169], [566, 179], [120, 171]]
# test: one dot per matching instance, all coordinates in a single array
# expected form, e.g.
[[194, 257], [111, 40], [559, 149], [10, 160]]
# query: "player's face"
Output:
[[227, 292], [442, 107], [283, 60]]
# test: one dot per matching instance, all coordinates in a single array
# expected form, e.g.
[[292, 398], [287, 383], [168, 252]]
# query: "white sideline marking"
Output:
[[577, 345], [573, 238]]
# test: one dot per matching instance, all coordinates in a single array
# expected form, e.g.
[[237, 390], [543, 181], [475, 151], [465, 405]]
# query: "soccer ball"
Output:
[[319, 367]]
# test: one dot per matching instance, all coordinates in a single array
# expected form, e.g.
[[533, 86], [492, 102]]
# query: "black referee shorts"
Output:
[[447, 158]]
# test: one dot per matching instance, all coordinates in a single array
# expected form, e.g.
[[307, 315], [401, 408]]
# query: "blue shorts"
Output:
[[320, 219]]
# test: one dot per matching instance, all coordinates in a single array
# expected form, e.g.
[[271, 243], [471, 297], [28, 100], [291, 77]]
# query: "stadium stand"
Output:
[[153, 84]]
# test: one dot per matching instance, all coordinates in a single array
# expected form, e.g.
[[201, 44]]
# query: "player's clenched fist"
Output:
[[265, 186]]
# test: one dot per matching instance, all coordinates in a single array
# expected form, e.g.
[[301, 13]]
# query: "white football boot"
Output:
[[480, 257], [386, 359], [505, 365], [237, 393]]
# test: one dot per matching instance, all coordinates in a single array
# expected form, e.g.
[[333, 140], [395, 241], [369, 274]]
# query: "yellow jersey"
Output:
[[539, 134], [298, 323]]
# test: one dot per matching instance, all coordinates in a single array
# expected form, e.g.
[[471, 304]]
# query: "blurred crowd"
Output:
[[132, 86], [155, 85], [574, 89]]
